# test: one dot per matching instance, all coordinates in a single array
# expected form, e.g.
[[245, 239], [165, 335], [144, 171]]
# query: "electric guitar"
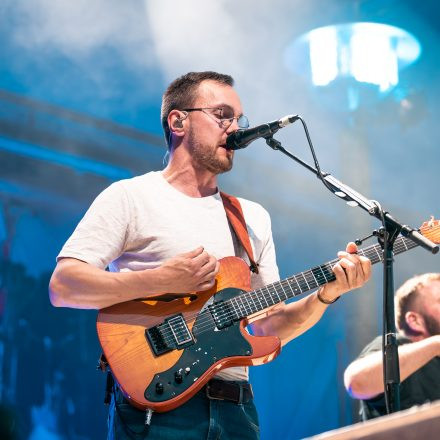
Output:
[[162, 352]]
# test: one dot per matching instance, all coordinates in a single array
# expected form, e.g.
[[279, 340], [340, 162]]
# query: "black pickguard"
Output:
[[209, 347]]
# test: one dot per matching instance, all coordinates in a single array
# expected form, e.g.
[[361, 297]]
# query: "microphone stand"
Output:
[[388, 233]]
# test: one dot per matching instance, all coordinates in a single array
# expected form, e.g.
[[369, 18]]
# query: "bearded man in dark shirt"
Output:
[[417, 305]]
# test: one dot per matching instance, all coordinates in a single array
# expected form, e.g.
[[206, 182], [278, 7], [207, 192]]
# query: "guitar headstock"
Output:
[[431, 230]]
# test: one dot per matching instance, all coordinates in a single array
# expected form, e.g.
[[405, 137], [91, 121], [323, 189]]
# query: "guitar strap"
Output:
[[238, 223], [236, 219]]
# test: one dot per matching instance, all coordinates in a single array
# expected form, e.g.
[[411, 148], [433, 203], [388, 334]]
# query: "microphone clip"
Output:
[[273, 143]]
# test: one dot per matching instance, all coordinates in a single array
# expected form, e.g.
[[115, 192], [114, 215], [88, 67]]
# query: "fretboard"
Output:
[[252, 302]]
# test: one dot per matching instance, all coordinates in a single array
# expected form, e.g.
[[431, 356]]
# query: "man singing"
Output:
[[165, 232]]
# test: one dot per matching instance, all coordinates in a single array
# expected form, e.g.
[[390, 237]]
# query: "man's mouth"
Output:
[[225, 147]]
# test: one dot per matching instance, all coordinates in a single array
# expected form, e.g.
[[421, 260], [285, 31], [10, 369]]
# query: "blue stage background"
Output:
[[80, 90]]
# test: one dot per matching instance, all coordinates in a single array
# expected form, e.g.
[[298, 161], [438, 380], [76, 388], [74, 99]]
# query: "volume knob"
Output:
[[178, 377], [159, 388]]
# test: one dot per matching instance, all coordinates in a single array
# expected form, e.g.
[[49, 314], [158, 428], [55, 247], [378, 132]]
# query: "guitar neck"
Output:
[[257, 300]]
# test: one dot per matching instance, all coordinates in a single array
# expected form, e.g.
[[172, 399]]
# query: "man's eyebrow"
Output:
[[223, 104]]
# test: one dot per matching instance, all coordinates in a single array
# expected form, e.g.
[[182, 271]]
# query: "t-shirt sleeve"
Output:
[[100, 236], [374, 346]]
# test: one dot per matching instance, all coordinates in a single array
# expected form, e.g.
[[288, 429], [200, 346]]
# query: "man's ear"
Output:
[[415, 322], [176, 122]]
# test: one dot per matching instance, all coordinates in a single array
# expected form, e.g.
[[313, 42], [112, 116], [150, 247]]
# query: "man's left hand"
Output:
[[352, 271]]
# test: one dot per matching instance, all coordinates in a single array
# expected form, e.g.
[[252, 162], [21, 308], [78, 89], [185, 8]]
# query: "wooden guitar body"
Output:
[[162, 353]]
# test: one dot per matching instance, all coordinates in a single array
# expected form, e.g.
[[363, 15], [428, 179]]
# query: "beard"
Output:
[[432, 325], [205, 157]]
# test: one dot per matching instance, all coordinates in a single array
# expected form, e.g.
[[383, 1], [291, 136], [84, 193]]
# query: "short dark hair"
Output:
[[181, 93], [407, 296]]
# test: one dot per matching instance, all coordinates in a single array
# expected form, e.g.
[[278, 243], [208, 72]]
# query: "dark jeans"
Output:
[[199, 418]]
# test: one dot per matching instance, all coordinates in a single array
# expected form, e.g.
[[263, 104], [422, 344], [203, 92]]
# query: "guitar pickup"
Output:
[[171, 334], [222, 314]]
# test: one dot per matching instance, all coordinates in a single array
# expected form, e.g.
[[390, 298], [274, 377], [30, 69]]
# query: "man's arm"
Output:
[[363, 378], [80, 285], [287, 321]]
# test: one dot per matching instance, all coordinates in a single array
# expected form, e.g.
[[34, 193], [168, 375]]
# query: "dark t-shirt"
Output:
[[421, 387]]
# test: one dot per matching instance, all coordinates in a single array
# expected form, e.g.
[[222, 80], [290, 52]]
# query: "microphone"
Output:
[[243, 137]]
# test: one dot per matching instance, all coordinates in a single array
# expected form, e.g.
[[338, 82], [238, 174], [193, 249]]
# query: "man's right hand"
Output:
[[188, 272], [77, 284]]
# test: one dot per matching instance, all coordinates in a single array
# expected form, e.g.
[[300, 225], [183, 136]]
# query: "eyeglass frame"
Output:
[[220, 121]]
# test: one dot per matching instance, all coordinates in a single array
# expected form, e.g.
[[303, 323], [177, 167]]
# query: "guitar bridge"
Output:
[[172, 334]]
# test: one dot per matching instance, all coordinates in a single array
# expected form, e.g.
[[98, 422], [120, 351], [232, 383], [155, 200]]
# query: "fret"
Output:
[[377, 252], [282, 295], [319, 275], [292, 289], [410, 243], [272, 292], [308, 287], [248, 306], [302, 289], [241, 306], [310, 282], [366, 253], [288, 289], [401, 244], [316, 281], [265, 298], [250, 302], [296, 281], [224, 310], [245, 304], [329, 269], [282, 288], [323, 273], [235, 309], [404, 243], [259, 300], [254, 304], [270, 296]]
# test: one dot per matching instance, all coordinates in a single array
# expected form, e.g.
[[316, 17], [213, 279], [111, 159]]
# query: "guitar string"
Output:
[[207, 323], [252, 297]]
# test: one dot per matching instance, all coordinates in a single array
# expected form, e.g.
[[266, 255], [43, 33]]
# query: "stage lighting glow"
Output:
[[370, 53]]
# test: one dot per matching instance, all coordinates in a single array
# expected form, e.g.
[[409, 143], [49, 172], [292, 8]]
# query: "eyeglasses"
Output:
[[224, 116]]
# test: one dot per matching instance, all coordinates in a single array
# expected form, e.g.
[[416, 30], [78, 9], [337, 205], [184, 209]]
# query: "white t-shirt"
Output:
[[138, 223]]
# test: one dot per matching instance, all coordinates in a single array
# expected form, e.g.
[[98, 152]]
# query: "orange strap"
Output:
[[236, 218]]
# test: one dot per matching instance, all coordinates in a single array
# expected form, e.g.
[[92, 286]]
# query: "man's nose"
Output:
[[233, 127]]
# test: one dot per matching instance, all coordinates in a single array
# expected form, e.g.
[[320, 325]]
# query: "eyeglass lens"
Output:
[[227, 115]]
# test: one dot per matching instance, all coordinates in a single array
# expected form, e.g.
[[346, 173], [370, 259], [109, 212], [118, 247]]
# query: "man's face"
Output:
[[430, 309], [206, 136]]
